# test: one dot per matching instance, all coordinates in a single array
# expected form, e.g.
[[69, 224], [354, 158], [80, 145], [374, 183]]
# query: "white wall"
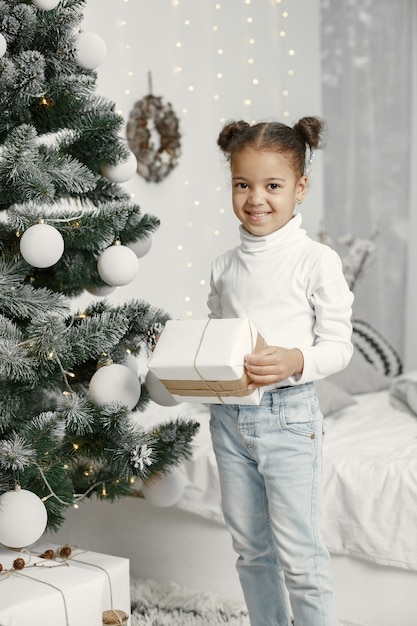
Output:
[[178, 41]]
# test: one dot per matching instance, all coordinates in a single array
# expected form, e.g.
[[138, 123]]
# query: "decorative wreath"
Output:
[[150, 117]]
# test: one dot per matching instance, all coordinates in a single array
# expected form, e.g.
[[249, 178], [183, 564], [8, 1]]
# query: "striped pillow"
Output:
[[375, 349]]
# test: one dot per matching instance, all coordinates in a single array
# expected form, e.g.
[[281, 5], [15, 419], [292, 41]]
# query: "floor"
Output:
[[168, 544]]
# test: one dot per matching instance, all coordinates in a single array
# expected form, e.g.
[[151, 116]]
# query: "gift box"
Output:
[[79, 590], [203, 360]]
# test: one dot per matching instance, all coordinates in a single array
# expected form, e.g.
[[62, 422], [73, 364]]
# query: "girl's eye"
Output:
[[274, 185], [241, 185]]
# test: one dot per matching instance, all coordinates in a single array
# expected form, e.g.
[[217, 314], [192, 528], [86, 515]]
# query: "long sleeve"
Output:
[[294, 292]]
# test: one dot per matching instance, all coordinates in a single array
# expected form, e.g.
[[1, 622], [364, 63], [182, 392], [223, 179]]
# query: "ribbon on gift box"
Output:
[[223, 388]]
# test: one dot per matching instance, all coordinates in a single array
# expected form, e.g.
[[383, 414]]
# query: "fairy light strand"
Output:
[[192, 90]]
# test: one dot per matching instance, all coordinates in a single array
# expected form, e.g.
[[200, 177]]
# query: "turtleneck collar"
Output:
[[285, 235]]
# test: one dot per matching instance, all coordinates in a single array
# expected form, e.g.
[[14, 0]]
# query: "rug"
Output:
[[155, 604]]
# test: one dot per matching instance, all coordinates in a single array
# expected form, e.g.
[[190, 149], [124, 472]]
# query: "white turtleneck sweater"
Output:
[[293, 290]]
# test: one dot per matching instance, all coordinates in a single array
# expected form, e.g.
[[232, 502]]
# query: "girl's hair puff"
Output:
[[275, 136]]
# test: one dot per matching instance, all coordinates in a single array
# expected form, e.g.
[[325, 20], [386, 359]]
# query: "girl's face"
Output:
[[265, 190]]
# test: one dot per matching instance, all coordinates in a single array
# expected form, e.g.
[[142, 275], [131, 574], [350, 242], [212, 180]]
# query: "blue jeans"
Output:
[[269, 459]]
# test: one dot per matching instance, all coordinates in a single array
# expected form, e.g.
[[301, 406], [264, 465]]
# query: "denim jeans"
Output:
[[269, 459]]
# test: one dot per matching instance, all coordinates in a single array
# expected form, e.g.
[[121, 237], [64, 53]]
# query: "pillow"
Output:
[[331, 397], [375, 349], [360, 376]]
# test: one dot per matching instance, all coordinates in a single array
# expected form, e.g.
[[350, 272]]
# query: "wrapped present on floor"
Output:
[[203, 360]]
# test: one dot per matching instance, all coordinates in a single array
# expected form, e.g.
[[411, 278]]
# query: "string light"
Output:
[[190, 90]]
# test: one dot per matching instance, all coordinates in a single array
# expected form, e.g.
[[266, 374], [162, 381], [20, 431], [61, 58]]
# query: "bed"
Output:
[[369, 501]]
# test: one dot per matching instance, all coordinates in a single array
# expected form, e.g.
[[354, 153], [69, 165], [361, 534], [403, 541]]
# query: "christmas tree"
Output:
[[67, 388]]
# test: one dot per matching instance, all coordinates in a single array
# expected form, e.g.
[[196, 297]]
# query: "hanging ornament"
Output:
[[118, 265], [132, 363], [141, 246], [165, 490], [90, 51], [102, 292], [46, 5], [115, 383], [154, 137], [158, 392], [3, 45], [121, 172], [141, 456], [23, 518], [42, 245]]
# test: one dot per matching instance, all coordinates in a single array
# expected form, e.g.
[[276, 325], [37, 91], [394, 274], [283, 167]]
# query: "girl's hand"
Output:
[[272, 365]]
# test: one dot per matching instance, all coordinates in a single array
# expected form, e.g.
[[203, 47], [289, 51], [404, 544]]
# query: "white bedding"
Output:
[[369, 478], [370, 482]]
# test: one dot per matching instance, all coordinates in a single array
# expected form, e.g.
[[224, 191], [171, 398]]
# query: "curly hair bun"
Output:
[[229, 134], [310, 130]]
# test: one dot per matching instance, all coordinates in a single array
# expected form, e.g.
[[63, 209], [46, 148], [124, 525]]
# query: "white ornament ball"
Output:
[[121, 172], [3, 45], [23, 518], [104, 291], [115, 383], [46, 5], [132, 363], [91, 50], [42, 245], [118, 265], [158, 392], [166, 490], [141, 246]]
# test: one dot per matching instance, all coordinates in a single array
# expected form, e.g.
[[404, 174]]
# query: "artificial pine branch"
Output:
[[56, 137]]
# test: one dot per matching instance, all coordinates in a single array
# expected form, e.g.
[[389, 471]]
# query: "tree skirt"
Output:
[[154, 604]]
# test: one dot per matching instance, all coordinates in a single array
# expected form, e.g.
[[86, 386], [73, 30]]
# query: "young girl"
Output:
[[269, 456]]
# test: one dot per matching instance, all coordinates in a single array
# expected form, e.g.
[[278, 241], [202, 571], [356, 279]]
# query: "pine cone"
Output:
[[48, 554], [65, 551], [19, 563]]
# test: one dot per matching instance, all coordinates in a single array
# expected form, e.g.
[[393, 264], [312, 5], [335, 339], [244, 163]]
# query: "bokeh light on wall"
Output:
[[214, 61]]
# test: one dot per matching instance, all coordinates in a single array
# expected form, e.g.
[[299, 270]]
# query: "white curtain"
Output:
[[369, 60]]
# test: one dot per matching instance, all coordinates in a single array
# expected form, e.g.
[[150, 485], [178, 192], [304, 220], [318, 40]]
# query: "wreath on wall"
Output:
[[154, 137]]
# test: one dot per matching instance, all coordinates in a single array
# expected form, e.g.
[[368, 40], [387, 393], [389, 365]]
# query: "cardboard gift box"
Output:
[[203, 360], [75, 591]]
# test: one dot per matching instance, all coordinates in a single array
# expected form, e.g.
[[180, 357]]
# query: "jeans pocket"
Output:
[[299, 411]]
